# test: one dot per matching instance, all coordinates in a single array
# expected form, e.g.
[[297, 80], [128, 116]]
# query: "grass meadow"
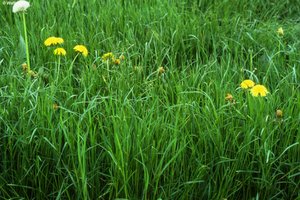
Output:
[[165, 118]]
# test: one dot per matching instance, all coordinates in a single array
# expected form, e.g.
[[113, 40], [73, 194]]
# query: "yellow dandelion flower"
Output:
[[108, 56], [259, 90], [247, 84], [55, 106], [25, 67], [60, 52], [32, 73], [161, 70], [229, 97], [81, 49], [53, 41], [279, 113], [122, 57], [280, 31], [117, 61]]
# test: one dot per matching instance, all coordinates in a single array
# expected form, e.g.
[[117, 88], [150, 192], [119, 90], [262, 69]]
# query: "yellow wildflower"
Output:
[[122, 57], [279, 113], [25, 67], [81, 49], [60, 52], [229, 97], [28, 71], [108, 56], [247, 84], [259, 90], [32, 73], [55, 106], [117, 61], [53, 41], [280, 31], [161, 70]]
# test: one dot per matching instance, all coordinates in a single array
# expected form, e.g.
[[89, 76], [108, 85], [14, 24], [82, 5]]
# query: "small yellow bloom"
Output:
[[259, 90], [108, 56], [280, 31], [25, 67], [81, 49], [32, 74], [117, 61], [122, 57], [53, 41], [247, 84], [60, 52], [279, 113], [229, 97], [55, 106], [161, 70], [28, 71]]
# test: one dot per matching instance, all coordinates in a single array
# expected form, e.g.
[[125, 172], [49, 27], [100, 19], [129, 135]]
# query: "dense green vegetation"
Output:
[[84, 128]]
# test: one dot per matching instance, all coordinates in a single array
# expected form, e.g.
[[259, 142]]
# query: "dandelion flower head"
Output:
[[81, 49], [60, 52], [53, 41], [55, 106], [117, 61], [259, 90], [122, 57], [229, 97], [32, 73], [25, 67], [161, 70], [279, 113], [108, 56], [280, 31], [247, 84], [20, 6]]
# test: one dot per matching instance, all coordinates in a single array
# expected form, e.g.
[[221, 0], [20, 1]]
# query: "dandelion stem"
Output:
[[26, 41], [57, 69], [58, 64], [107, 67]]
